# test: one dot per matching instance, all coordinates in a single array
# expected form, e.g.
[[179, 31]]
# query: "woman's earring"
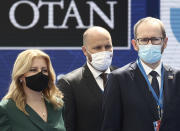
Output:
[[20, 81]]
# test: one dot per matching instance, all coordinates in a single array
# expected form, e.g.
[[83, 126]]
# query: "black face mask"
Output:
[[37, 82]]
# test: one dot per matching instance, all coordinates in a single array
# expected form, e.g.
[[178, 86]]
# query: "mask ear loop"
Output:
[[89, 54]]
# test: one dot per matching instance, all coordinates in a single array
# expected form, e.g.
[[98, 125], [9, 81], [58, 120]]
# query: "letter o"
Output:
[[13, 19]]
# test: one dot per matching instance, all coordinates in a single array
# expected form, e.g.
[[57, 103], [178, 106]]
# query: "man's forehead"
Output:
[[149, 25], [97, 37], [97, 34], [99, 43], [148, 28]]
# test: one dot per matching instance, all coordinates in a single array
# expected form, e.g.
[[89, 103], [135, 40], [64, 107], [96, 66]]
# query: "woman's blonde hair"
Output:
[[21, 66]]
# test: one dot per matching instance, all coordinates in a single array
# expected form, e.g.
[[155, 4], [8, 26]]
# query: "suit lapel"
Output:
[[91, 82], [168, 86], [35, 118], [165, 93], [50, 112], [144, 91], [113, 68]]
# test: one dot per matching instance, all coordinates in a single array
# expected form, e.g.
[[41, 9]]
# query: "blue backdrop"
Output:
[[65, 61]]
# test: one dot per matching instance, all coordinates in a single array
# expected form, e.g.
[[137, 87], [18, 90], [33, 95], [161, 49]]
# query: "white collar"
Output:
[[147, 69], [95, 72]]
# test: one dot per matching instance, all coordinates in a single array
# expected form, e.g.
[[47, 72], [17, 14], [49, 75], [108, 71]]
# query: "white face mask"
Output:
[[101, 60]]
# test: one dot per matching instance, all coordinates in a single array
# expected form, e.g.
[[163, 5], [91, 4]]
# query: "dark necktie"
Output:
[[155, 83], [104, 77]]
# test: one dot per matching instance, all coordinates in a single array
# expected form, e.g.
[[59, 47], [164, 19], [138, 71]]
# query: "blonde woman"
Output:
[[33, 102]]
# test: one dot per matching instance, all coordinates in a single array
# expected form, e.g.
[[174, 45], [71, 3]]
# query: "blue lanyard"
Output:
[[160, 99]]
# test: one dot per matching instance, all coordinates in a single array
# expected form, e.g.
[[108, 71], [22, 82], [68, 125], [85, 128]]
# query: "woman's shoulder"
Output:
[[51, 108], [49, 103], [7, 104]]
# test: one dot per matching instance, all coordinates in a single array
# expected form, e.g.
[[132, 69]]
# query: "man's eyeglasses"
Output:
[[154, 40]]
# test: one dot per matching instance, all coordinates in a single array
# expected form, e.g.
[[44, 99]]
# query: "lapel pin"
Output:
[[170, 77]]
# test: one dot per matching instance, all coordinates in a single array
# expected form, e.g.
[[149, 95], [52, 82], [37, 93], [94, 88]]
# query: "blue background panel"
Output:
[[65, 61]]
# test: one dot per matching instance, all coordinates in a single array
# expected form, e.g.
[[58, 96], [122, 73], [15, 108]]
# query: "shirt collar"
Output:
[[147, 69], [95, 72]]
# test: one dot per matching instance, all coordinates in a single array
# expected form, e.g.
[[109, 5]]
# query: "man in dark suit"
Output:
[[171, 120], [83, 88], [137, 94]]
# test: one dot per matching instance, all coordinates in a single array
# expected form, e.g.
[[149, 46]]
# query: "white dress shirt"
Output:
[[96, 75]]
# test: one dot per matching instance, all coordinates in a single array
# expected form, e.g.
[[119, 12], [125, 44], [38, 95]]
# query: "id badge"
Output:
[[157, 125]]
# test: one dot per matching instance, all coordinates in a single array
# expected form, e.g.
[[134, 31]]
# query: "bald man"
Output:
[[83, 88]]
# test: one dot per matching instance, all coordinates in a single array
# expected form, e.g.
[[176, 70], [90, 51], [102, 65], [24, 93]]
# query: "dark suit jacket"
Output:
[[82, 99], [128, 104], [12, 119], [171, 121]]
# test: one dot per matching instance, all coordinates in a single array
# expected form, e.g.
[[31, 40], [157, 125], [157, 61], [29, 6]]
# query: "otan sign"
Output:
[[72, 12], [61, 23]]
